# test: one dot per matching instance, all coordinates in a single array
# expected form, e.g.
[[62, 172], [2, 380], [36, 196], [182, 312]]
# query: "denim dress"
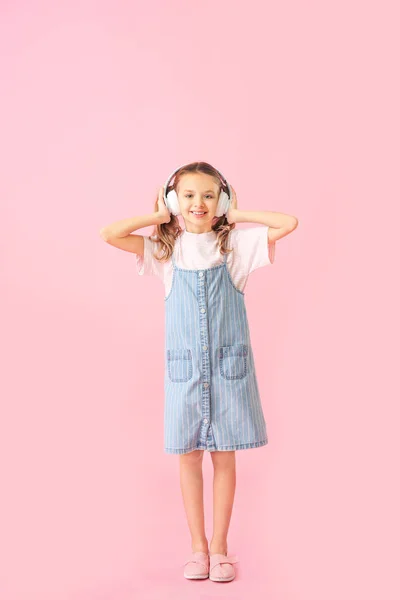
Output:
[[212, 400]]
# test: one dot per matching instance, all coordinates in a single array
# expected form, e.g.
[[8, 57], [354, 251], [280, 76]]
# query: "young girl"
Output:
[[212, 399]]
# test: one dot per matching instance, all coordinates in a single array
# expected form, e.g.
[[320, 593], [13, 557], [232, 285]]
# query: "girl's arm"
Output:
[[118, 234], [279, 224]]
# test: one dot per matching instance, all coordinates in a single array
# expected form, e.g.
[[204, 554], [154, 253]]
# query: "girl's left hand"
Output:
[[231, 214]]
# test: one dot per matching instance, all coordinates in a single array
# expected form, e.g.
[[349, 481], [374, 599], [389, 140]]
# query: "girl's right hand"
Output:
[[163, 214]]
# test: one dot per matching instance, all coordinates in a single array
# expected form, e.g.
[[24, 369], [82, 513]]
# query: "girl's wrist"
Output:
[[245, 216], [233, 215], [160, 218]]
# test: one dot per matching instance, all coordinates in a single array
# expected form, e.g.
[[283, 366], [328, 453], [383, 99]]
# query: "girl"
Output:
[[212, 399]]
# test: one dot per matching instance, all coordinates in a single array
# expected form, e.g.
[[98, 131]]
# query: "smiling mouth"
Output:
[[199, 212]]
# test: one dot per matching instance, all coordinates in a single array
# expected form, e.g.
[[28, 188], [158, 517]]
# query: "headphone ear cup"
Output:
[[223, 204], [171, 201]]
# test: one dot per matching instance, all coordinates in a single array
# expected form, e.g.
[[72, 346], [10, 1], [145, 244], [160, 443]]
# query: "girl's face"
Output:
[[198, 193]]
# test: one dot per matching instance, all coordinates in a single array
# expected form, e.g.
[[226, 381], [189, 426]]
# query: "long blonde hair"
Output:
[[167, 233]]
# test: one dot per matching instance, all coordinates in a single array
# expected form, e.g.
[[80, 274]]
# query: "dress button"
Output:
[[205, 347], [206, 384], [203, 310], [205, 420], [201, 274]]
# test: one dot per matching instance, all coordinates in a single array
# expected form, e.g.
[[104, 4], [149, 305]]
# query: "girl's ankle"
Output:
[[218, 547], [200, 546]]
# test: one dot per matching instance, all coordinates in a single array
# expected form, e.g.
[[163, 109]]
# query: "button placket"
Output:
[[206, 410]]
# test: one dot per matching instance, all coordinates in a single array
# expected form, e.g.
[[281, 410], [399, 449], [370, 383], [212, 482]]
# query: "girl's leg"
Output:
[[224, 492], [191, 480]]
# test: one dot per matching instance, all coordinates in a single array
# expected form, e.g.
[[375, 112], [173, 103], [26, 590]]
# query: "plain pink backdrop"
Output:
[[297, 104]]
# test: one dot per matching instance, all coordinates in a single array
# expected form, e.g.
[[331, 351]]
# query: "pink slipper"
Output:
[[221, 568], [197, 566]]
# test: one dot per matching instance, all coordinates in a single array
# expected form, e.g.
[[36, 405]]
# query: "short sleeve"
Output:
[[252, 248], [148, 264]]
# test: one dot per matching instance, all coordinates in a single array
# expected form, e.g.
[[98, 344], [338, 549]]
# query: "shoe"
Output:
[[221, 567], [197, 566]]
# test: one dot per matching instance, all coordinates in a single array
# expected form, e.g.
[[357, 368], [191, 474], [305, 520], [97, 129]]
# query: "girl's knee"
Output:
[[223, 458], [192, 457]]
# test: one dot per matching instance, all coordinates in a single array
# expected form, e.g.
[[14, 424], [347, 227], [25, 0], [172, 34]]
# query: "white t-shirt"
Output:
[[251, 251]]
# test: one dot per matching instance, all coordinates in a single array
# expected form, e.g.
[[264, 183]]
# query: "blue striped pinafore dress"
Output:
[[212, 399]]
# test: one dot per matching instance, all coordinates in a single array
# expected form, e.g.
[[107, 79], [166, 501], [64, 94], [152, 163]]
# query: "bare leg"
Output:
[[191, 480], [224, 492]]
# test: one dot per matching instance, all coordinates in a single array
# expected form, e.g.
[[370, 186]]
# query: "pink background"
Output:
[[297, 104]]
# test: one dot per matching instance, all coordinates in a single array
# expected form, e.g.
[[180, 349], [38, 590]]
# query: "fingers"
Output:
[[161, 194]]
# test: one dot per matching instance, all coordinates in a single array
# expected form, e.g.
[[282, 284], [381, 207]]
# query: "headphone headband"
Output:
[[176, 170]]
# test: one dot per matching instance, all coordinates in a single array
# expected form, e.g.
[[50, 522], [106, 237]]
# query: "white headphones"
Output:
[[171, 199]]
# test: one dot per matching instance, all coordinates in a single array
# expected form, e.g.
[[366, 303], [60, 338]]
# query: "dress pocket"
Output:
[[180, 364], [233, 361]]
